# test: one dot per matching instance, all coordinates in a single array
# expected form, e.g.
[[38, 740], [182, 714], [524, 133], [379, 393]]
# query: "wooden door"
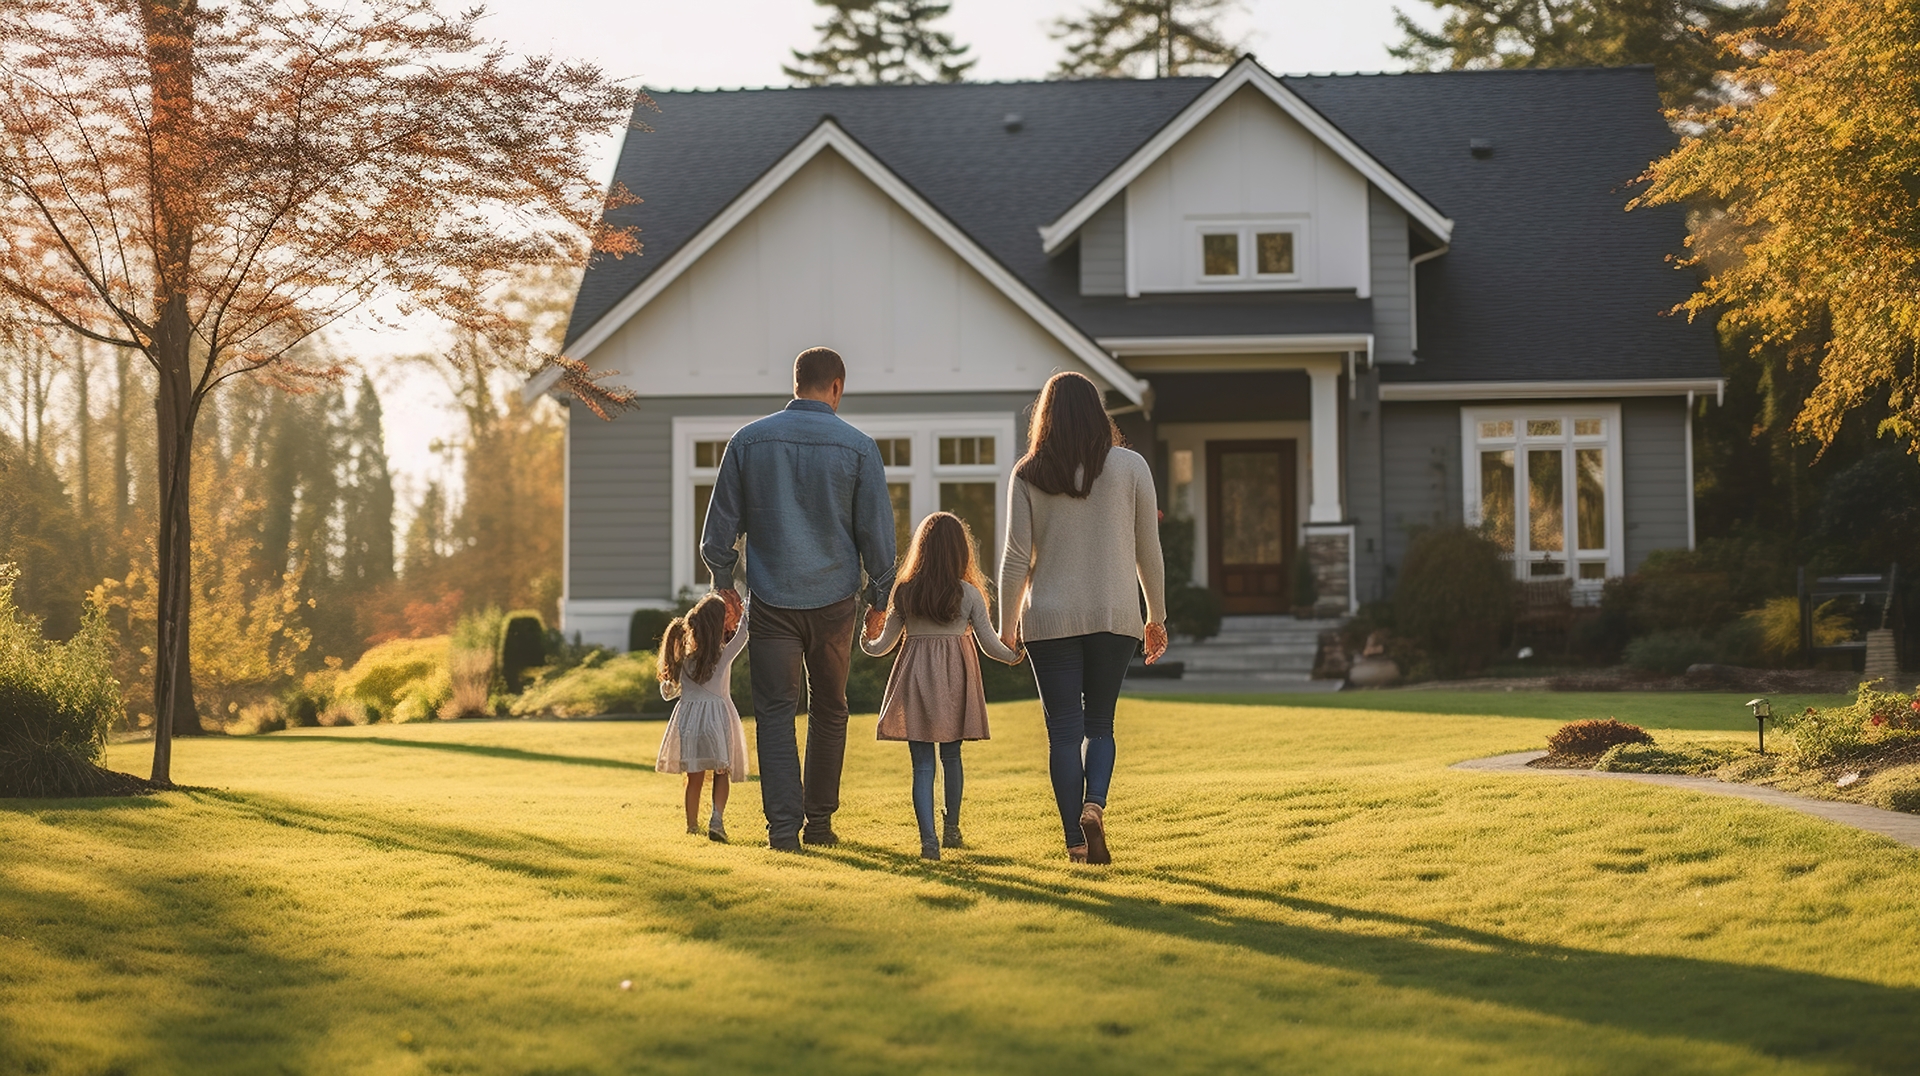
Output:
[[1250, 524]]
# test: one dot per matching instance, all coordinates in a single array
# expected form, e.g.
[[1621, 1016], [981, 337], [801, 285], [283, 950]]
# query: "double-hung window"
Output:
[[1250, 253], [1544, 484]]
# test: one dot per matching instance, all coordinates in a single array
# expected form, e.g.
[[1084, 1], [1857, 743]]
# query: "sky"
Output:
[[709, 44]]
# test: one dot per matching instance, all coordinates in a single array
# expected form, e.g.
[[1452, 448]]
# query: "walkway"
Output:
[[1902, 827]]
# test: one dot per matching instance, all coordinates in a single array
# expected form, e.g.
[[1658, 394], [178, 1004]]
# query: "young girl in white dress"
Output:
[[704, 735], [934, 695]]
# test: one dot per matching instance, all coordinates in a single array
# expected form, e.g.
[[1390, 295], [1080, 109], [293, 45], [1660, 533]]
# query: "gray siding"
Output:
[[1392, 284], [1420, 473], [1366, 503], [620, 495], [1103, 250], [1654, 478]]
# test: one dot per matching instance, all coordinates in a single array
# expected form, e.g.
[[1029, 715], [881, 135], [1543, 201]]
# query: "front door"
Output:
[[1250, 524]]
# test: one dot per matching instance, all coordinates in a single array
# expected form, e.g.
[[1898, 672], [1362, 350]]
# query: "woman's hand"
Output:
[[1010, 638], [1156, 642]]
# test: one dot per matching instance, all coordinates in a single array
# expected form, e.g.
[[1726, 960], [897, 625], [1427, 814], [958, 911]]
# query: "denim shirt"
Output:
[[810, 493]]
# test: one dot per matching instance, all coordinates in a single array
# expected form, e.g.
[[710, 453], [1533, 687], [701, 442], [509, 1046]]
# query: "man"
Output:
[[810, 494]]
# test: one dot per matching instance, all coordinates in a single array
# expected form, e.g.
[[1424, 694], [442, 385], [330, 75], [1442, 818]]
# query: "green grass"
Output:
[[1648, 709], [1299, 890]]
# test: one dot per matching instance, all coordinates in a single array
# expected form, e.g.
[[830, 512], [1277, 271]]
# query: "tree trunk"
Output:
[[169, 27]]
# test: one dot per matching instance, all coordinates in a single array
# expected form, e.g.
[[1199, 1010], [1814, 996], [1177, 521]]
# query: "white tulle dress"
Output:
[[704, 732]]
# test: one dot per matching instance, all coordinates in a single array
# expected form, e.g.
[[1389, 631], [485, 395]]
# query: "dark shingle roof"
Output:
[[1547, 277]]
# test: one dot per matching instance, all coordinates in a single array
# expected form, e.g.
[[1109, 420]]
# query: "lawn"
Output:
[[1300, 889]]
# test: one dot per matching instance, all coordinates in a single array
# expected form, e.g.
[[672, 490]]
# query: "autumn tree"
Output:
[[881, 41], [1678, 37], [1806, 190], [1134, 38], [211, 183]]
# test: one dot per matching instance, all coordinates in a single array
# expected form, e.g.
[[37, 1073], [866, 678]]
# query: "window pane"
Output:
[[1496, 497], [1546, 501], [973, 502], [1274, 251], [1250, 514], [965, 451], [986, 450], [1593, 569], [901, 494], [1548, 569], [896, 451], [1590, 496], [1502, 428], [702, 496], [1220, 254], [708, 453], [1543, 427], [1589, 427]]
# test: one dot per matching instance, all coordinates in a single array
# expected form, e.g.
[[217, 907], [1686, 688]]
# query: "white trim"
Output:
[[1247, 230], [1413, 295], [1178, 364], [1123, 346], [1247, 72], [1616, 495], [925, 472], [1325, 505], [829, 135], [566, 516], [1690, 492], [1548, 390]]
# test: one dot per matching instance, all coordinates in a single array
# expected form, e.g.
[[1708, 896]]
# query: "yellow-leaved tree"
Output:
[[1806, 190]]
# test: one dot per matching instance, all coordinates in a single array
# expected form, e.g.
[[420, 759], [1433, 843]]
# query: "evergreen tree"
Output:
[[1676, 36], [881, 41], [1134, 38], [368, 522]]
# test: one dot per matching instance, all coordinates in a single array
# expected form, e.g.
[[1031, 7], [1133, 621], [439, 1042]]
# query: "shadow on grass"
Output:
[[1771, 1011], [510, 754]]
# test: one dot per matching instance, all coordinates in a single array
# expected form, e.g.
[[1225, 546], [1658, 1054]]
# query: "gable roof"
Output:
[[1547, 278], [1246, 72]]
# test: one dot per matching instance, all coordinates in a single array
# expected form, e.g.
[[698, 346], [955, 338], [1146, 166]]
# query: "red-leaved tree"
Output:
[[211, 182]]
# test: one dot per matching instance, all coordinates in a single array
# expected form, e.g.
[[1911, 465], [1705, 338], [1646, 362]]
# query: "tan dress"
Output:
[[935, 694]]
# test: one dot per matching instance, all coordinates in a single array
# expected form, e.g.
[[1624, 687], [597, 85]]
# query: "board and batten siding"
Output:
[[830, 258], [1103, 250], [1655, 482], [620, 524], [1247, 162], [1392, 280], [1420, 474]]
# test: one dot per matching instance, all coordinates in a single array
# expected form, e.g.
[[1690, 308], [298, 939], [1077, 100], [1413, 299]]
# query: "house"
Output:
[[1328, 309]]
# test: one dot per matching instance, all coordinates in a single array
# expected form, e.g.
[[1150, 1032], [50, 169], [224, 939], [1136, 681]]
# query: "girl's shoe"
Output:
[[693, 828], [717, 831], [950, 835], [1093, 823], [1077, 854], [930, 850]]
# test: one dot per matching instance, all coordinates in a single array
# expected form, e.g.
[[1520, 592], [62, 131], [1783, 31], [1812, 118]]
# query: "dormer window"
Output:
[[1249, 253]]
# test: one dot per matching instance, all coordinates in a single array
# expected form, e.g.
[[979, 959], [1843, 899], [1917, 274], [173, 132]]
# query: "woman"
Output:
[[1083, 542]]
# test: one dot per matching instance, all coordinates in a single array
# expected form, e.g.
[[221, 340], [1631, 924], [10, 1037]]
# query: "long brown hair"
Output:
[[1070, 436], [691, 646], [939, 560]]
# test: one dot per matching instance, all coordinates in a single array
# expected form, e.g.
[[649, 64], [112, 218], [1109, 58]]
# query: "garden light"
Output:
[[1762, 709]]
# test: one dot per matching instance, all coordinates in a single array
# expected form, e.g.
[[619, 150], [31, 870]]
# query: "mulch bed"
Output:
[[101, 782], [1565, 762]]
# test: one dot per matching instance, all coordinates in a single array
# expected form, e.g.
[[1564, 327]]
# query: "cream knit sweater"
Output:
[[1077, 565]]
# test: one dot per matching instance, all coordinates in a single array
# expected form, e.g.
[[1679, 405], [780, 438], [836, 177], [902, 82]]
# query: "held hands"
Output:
[[1156, 642], [876, 622]]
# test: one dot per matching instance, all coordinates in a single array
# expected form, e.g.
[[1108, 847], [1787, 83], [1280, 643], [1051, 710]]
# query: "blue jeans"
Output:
[[1079, 679], [922, 753]]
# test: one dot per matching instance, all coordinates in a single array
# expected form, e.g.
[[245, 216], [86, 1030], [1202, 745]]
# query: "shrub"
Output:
[[1585, 739], [646, 628], [1664, 758], [1454, 597], [624, 684], [391, 672], [472, 664], [1820, 736], [1778, 625], [1671, 652], [523, 646], [264, 715], [340, 713], [1306, 585], [1192, 611], [56, 703], [1680, 590], [1897, 789], [423, 699]]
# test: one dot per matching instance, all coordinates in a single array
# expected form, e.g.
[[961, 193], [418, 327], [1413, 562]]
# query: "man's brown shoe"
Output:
[[1093, 823]]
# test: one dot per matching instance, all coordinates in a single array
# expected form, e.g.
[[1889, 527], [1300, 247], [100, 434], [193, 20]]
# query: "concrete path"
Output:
[[1900, 826]]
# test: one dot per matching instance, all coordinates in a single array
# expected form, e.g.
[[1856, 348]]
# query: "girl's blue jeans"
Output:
[[922, 754], [1079, 679]]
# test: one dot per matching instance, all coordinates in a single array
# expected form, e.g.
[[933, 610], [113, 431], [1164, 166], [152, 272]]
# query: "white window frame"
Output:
[[1614, 556], [1247, 228], [925, 474]]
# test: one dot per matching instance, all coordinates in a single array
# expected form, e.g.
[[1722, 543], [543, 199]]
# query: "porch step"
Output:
[[1276, 648]]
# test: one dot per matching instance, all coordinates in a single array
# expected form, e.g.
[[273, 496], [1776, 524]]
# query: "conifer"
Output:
[[1134, 38], [881, 41]]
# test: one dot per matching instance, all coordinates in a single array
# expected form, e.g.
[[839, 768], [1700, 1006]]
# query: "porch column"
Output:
[[1325, 506]]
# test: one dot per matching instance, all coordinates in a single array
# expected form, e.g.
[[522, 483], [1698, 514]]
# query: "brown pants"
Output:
[[784, 646]]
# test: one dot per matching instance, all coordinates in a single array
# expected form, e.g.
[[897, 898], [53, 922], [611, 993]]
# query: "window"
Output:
[[1273, 253], [707, 454], [969, 486], [1251, 254], [965, 451], [896, 451], [1220, 254], [1545, 488]]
